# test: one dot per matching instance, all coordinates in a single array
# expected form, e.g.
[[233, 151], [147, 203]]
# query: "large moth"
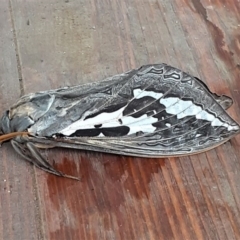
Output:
[[154, 111]]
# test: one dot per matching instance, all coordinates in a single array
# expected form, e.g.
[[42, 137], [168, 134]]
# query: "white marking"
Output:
[[205, 116], [142, 123], [139, 93], [179, 107], [198, 135], [217, 122], [169, 102], [173, 105], [232, 128], [90, 122], [175, 76], [189, 82], [183, 109], [143, 120]]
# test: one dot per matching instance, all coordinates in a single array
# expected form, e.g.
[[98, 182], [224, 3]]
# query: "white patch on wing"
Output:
[[190, 111], [183, 108], [131, 121], [170, 103], [206, 116], [217, 122], [139, 93], [233, 128], [174, 105], [142, 123], [90, 122], [108, 120], [175, 76]]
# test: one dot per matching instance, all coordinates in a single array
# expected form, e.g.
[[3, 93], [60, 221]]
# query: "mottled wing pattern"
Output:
[[155, 111]]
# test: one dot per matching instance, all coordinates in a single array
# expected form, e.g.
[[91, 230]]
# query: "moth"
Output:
[[154, 111]]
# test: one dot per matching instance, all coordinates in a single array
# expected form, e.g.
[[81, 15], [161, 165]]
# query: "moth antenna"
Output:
[[9, 136]]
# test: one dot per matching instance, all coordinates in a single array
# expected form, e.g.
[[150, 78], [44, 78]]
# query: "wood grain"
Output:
[[19, 218], [66, 42]]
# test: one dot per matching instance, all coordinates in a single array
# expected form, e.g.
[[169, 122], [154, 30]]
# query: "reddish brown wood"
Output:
[[70, 42]]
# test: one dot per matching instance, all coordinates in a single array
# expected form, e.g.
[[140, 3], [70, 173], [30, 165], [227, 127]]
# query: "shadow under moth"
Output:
[[154, 111]]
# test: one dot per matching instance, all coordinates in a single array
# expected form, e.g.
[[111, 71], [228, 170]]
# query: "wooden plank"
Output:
[[18, 213], [71, 42]]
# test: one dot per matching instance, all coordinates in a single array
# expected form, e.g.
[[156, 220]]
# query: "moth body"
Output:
[[155, 111]]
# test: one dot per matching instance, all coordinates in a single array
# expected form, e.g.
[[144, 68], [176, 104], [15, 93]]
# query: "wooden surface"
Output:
[[51, 43]]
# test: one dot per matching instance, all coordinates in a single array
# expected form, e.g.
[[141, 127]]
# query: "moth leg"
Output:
[[43, 146], [31, 153]]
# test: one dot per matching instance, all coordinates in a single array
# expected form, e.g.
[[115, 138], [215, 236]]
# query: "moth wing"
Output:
[[156, 111]]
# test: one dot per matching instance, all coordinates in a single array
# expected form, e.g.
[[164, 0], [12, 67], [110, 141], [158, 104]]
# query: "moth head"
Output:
[[25, 112]]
